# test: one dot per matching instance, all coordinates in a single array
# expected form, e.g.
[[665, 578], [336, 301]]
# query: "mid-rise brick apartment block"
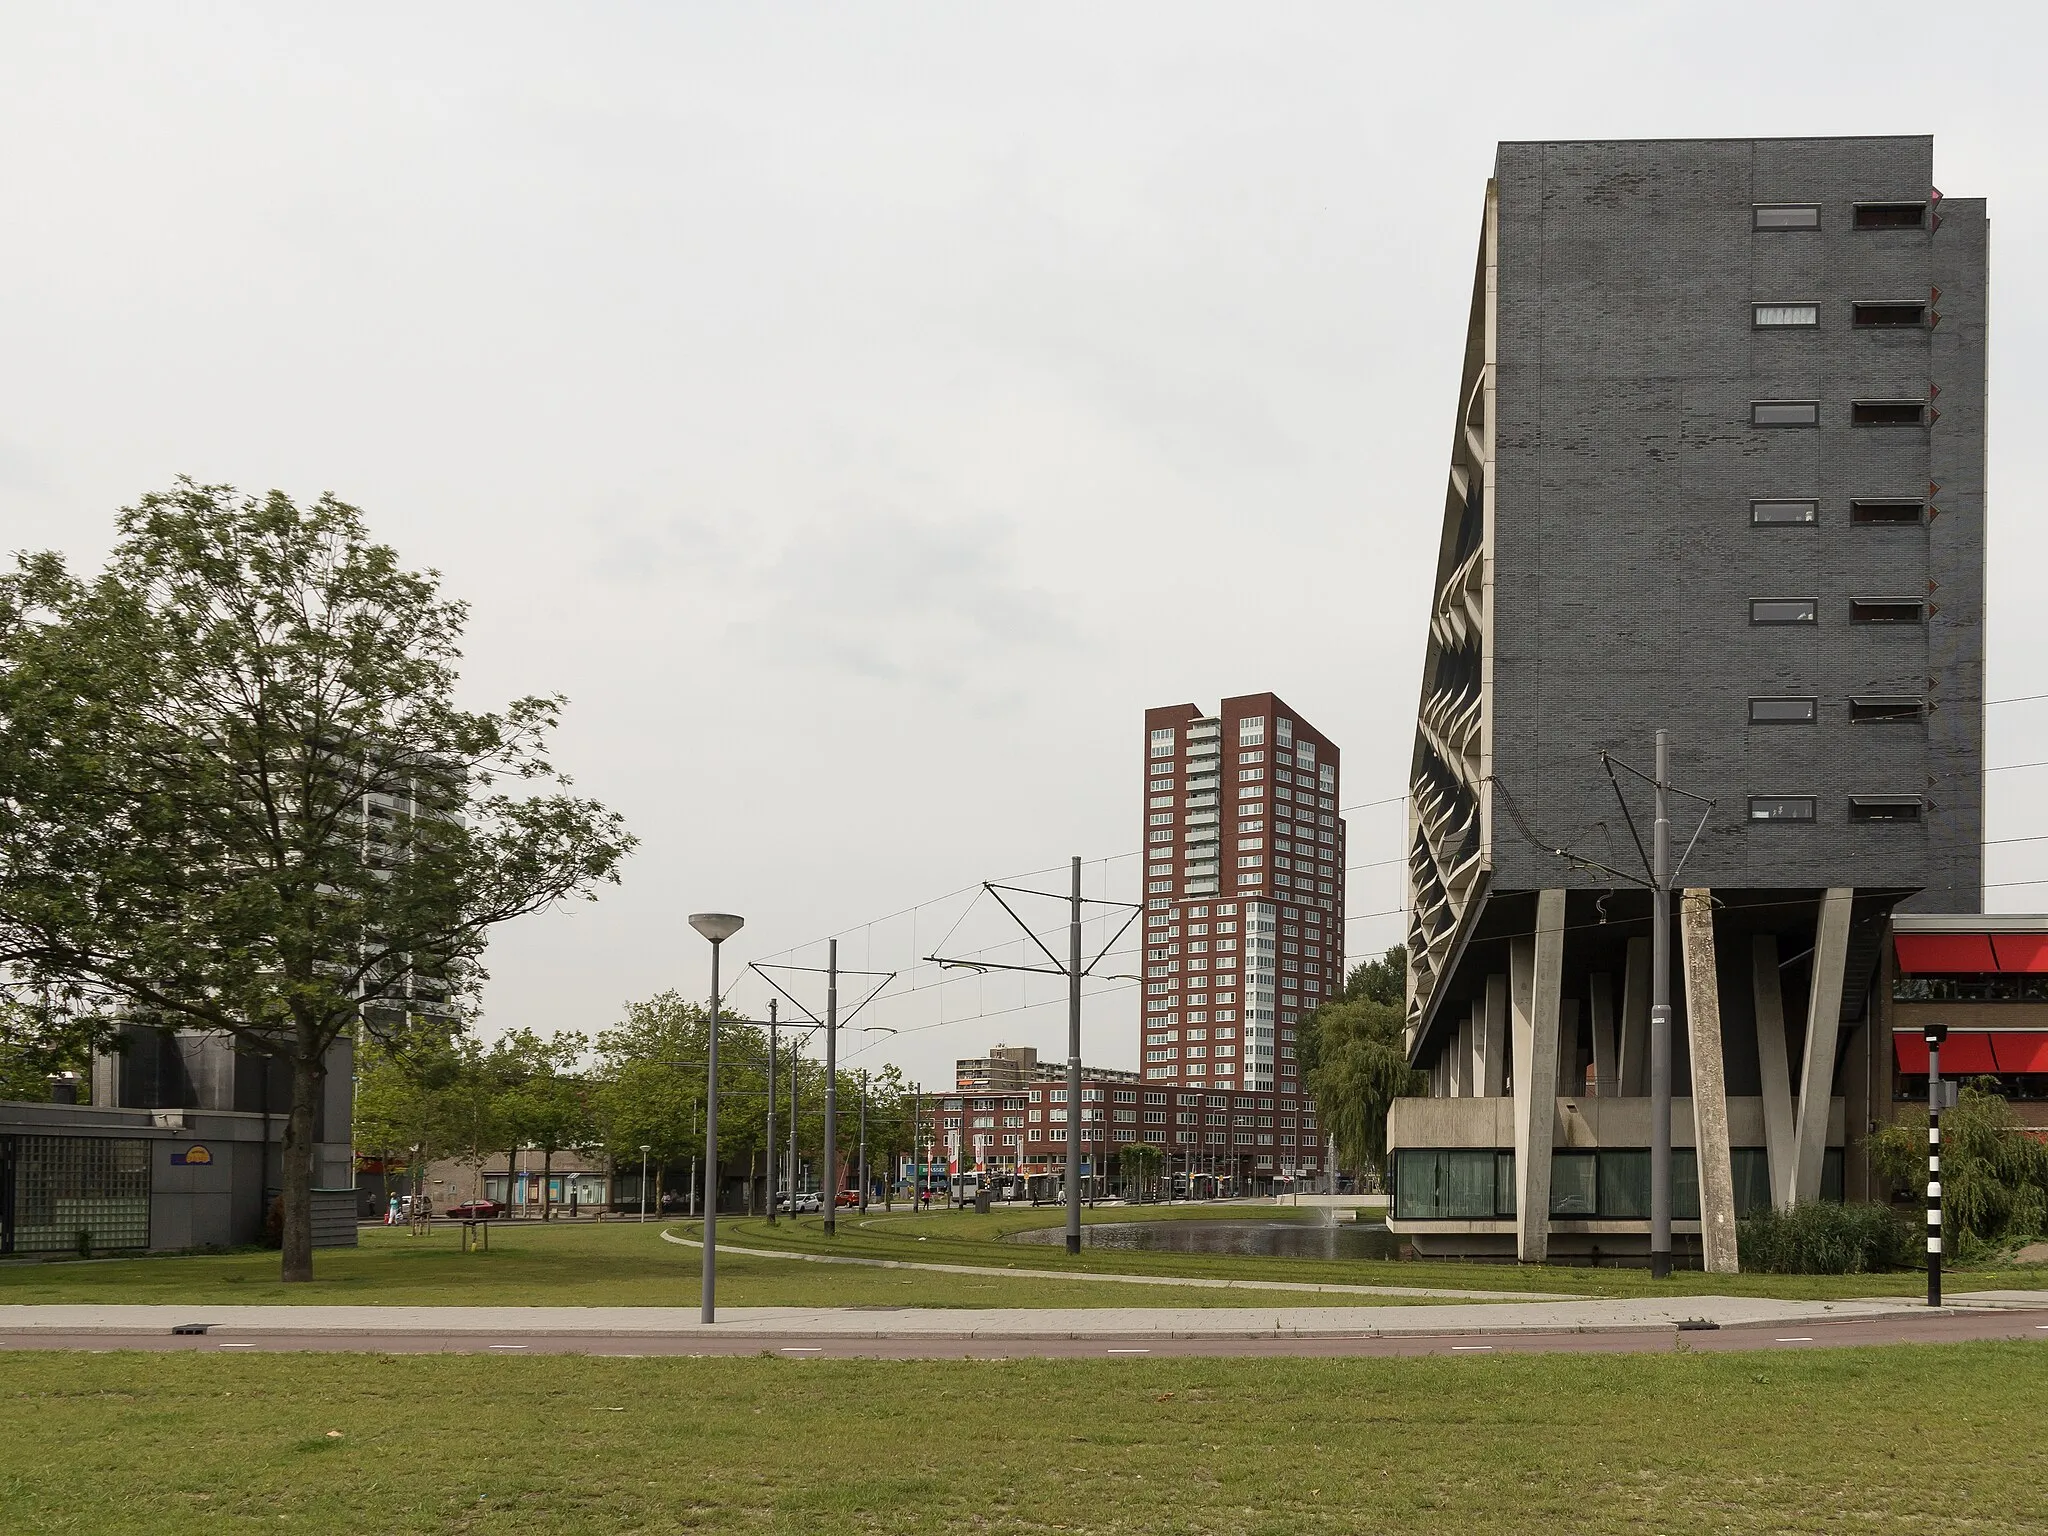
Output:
[[1244, 930]]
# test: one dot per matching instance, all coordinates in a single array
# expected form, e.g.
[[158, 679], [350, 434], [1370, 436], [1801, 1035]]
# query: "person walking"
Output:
[[391, 1211]]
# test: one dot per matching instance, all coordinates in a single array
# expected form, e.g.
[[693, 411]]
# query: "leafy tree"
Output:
[[240, 797], [1354, 1054], [552, 1106], [1994, 1176], [1139, 1162], [34, 1046]]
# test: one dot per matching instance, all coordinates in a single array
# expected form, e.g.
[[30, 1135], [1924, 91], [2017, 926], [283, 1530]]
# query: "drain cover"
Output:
[[191, 1327], [1695, 1324]]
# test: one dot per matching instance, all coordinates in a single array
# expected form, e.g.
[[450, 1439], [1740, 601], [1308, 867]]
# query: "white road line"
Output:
[[1802, 1339], [1484, 1349], [508, 1346], [803, 1349], [1128, 1351], [237, 1346]]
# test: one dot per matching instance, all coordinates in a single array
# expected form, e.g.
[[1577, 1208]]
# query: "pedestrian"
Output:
[[391, 1212]]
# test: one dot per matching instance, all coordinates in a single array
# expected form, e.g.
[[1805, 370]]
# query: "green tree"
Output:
[[552, 1106], [1138, 1162], [240, 797], [1354, 1058], [1994, 1176]]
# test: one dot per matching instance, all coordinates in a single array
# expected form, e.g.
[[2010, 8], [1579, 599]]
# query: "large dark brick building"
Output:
[[1717, 467]]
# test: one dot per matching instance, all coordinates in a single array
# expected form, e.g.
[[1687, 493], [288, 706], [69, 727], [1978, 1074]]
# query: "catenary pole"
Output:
[[770, 1136], [1074, 1065], [1935, 1034], [796, 1081], [829, 1181], [863, 1143], [1660, 1018]]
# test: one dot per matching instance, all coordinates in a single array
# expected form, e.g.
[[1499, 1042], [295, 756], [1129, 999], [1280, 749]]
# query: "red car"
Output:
[[474, 1210], [849, 1197]]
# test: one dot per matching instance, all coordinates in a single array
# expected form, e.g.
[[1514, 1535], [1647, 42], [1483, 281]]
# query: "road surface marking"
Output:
[[1474, 1348], [1802, 1339], [508, 1346], [803, 1349], [1129, 1351], [238, 1346]]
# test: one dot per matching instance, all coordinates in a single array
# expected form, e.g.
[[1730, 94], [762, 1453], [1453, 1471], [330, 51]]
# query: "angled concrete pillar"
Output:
[[1571, 1078], [1823, 1025], [1475, 1048], [1455, 1057], [1635, 1021], [1772, 1060], [1709, 1085], [1600, 999], [1536, 971], [1493, 1049]]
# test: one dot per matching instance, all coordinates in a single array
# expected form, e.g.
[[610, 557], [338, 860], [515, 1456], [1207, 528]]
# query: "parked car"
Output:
[[849, 1197], [474, 1210]]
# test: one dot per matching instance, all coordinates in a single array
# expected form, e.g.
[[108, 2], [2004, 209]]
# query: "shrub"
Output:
[[1994, 1176], [1825, 1239]]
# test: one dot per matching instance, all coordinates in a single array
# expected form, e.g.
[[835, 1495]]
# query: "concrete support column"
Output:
[[1536, 980], [1459, 1049], [1823, 1026], [1709, 1085], [1772, 1056], [1493, 1046], [1571, 1080], [1600, 998], [1635, 1021]]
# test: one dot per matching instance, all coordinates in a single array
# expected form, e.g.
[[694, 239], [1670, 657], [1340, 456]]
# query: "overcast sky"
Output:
[[864, 412]]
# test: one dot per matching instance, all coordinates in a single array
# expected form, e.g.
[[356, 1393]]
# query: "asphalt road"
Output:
[[1810, 1335]]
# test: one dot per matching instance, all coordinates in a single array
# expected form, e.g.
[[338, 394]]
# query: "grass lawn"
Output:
[[626, 1263], [1928, 1438]]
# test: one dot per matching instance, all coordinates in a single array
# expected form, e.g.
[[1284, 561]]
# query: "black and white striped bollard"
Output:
[[1935, 1033]]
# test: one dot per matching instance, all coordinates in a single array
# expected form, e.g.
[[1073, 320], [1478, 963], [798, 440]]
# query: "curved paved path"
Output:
[[1414, 1291]]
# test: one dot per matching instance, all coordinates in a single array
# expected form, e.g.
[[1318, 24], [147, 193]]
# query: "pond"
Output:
[[1251, 1238]]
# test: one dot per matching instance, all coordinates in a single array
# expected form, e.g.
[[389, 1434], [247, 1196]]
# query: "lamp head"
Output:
[[716, 926], [1935, 1033]]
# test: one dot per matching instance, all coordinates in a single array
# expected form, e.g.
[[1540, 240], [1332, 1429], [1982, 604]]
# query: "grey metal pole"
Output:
[[1660, 1020], [770, 1135], [863, 1143], [919, 1174], [796, 1082], [643, 1182], [709, 1309], [829, 1180], [1074, 1065], [1935, 1034]]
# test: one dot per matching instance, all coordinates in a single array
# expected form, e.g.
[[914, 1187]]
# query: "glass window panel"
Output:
[[1784, 610], [1768, 315], [1685, 1185], [1467, 1184], [1574, 1184], [1625, 1184], [1787, 216], [1785, 413], [1769, 514], [1504, 1194], [1783, 711], [1781, 808], [1752, 1169]]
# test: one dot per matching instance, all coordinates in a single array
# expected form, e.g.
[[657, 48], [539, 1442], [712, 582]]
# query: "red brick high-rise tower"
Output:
[[1244, 928]]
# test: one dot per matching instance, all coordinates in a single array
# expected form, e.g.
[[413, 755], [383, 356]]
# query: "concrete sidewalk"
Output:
[[22, 1323]]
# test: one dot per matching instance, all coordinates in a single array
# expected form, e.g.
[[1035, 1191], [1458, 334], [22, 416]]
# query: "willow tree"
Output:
[[237, 794]]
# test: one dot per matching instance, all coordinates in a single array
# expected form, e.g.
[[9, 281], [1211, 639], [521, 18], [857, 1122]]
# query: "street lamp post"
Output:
[[1939, 1097], [717, 927], [644, 1150]]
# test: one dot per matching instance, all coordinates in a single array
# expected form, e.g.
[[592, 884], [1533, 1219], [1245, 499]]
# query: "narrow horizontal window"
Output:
[[1776, 514], [1891, 215], [1771, 316], [1783, 711], [1887, 413], [1886, 711], [1882, 512], [1886, 610], [1784, 413], [1786, 216], [1884, 807], [1784, 610], [1781, 807], [1881, 316]]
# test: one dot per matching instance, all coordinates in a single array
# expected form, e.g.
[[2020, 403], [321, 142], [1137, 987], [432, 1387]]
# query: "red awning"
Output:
[[1945, 954], [2021, 951], [2017, 1052], [1961, 1055]]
